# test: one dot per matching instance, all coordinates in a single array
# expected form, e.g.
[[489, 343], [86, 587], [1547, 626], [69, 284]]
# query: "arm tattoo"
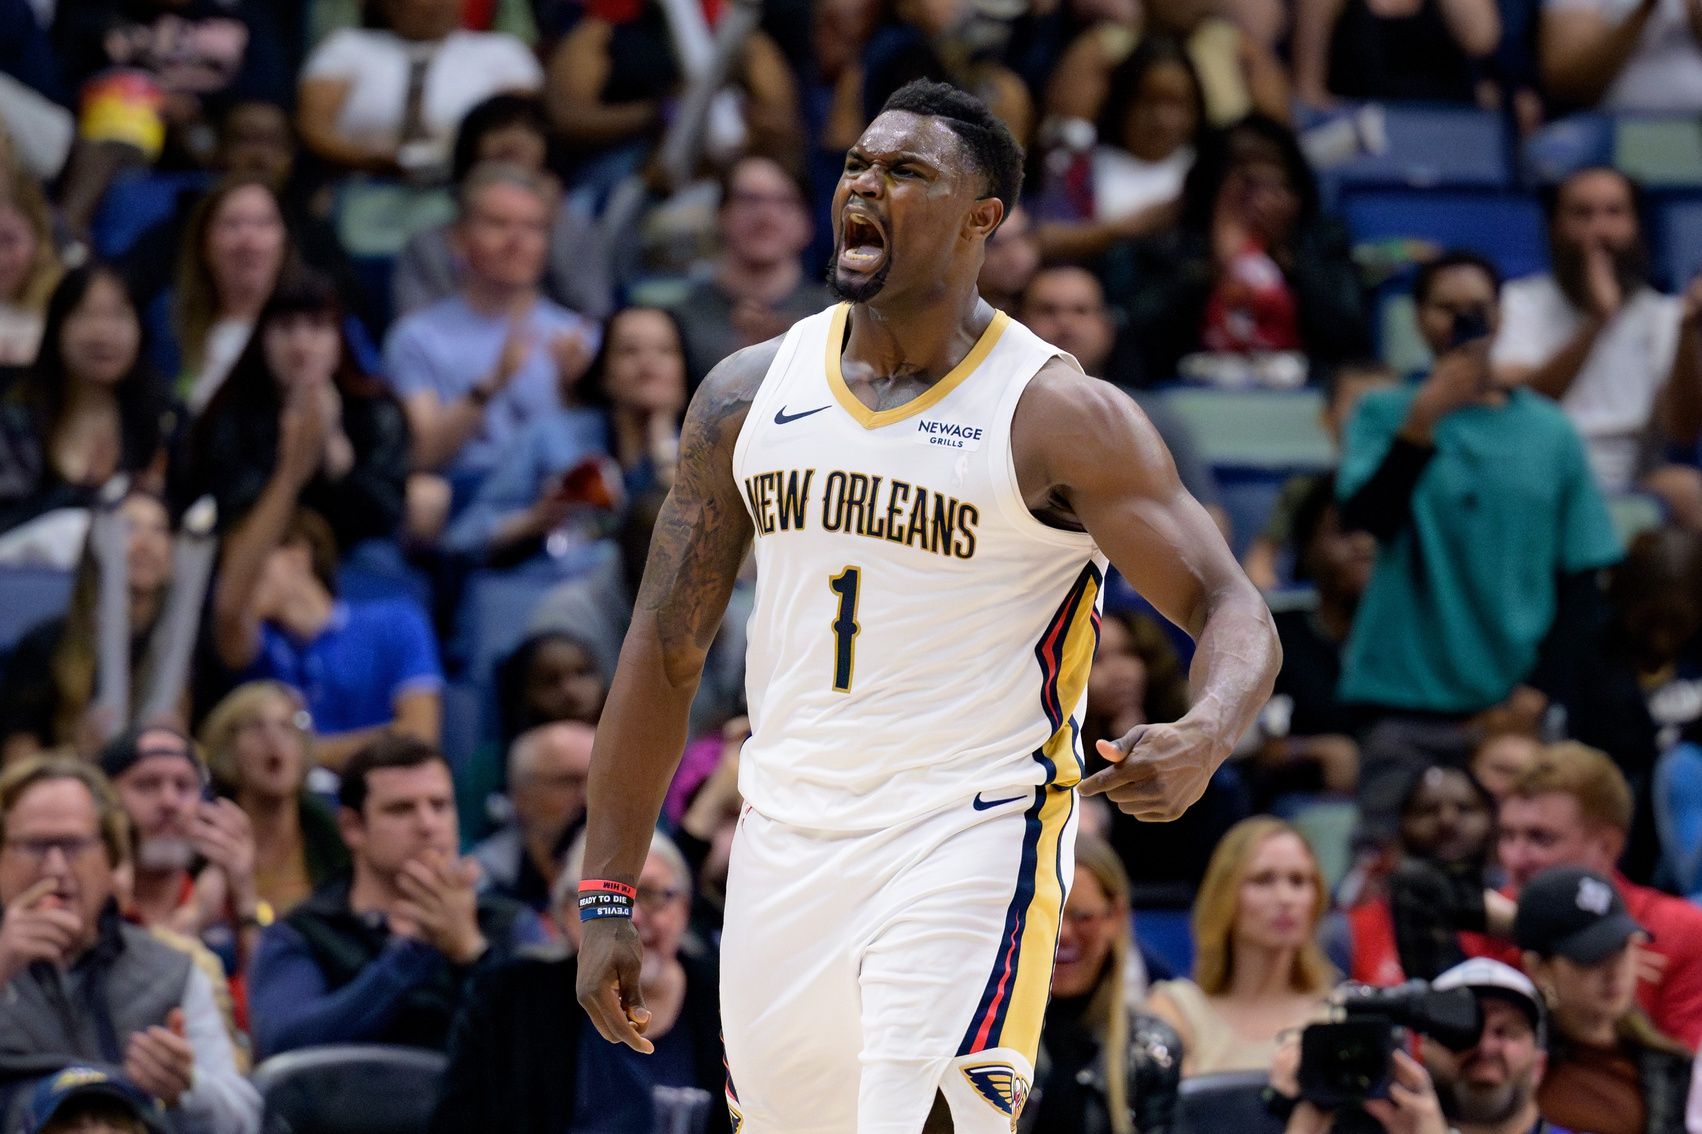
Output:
[[703, 529]]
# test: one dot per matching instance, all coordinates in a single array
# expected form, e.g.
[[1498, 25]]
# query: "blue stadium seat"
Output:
[[1225, 1101], [349, 1089], [1168, 934], [1433, 147], [1661, 152], [1507, 228], [1678, 241], [30, 596], [1269, 430], [1678, 816], [133, 205]]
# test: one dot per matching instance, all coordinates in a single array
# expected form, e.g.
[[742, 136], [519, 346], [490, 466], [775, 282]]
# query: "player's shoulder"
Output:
[[729, 388], [1062, 396]]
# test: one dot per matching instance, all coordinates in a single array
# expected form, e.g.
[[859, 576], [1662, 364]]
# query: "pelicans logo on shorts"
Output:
[[1001, 1085]]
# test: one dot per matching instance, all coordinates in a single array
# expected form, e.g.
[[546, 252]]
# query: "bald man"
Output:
[[547, 767]]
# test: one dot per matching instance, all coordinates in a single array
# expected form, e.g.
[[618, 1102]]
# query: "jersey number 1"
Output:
[[845, 628]]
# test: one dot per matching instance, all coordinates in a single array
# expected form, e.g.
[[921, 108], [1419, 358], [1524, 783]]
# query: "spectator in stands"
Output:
[[1573, 809], [384, 954], [298, 351], [1622, 57], [88, 408], [473, 369], [193, 870], [1447, 823], [29, 265], [1309, 733], [524, 1058], [1065, 305], [1106, 1066], [510, 129], [363, 666], [1013, 256], [1239, 72], [48, 697], [546, 494], [708, 817], [1130, 185], [386, 98], [232, 254], [1507, 747], [255, 139], [1489, 1088], [757, 286], [1254, 267], [86, 1100], [1609, 1069], [1344, 385], [1424, 50], [1597, 338], [152, 76], [547, 767], [614, 76], [1485, 572], [138, 1004], [259, 746], [1258, 970]]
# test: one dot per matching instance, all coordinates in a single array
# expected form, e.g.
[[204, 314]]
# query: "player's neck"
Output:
[[924, 342]]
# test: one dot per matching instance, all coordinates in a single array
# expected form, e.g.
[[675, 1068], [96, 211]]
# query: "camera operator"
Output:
[[1488, 1087]]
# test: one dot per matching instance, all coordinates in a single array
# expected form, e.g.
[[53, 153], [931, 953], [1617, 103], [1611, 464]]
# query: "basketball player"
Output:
[[933, 493]]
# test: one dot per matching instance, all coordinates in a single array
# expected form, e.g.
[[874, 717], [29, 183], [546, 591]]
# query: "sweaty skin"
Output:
[[1086, 457]]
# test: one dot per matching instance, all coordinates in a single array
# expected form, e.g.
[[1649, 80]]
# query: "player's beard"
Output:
[[863, 290]]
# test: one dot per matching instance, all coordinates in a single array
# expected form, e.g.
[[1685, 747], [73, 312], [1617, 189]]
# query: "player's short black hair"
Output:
[[1425, 281], [996, 154]]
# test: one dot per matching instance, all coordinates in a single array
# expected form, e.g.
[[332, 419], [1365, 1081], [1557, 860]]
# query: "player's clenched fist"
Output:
[[1158, 771], [610, 959]]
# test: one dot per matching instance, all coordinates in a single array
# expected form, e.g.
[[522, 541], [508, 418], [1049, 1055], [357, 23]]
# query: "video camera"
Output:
[[1348, 1060]]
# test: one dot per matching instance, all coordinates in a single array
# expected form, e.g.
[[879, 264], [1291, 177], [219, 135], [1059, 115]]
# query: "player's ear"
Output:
[[984, 216]]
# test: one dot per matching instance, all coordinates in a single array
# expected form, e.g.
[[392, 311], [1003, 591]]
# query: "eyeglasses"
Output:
[[37, 851], [1080, 919], [655, 899]]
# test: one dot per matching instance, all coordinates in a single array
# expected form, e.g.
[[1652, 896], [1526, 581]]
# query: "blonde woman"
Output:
[[29, 265], [1103, 1069], [259, 746], [1258, 970]]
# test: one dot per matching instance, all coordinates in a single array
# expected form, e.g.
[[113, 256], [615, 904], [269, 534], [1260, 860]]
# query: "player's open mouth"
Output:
[[862, 244]]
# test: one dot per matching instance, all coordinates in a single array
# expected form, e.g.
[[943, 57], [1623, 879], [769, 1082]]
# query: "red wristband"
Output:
[[607, 886]]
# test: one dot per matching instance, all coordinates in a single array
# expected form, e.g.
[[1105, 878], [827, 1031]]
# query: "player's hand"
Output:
[[610, 958], [1158, 771]]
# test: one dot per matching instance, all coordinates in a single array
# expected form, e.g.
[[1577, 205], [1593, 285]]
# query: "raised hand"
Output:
[[37, 926], [439, 896]]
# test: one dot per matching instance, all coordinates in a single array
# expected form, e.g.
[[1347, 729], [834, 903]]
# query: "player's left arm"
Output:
[[1087, 458]]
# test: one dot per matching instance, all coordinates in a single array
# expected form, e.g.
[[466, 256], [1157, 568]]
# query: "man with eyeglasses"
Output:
[[524, 1056], [81, 985], [194, 863], [547, 767]]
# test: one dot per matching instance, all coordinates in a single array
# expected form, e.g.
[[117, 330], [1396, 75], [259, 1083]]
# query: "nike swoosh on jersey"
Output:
[[988, 804], [781, 417]]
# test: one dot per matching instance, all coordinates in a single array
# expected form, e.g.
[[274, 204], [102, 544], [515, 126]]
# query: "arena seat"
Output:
[[1634, 513], [30, 596], [1677, 241], [1508, 228], [1432, 147], [1225, 1101], [135, 204], [1659, 152], [349, 1089], [1678, 816], [1270, 430], [1166, 933]]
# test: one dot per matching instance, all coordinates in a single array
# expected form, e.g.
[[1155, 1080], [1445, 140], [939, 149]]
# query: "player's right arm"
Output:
[[698, 545]]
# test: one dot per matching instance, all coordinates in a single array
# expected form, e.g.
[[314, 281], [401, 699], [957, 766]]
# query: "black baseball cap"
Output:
[[134, 745], [1575, 913], [62, 1089]]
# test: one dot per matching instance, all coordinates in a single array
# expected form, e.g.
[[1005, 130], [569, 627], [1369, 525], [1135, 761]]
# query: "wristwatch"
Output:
[[259, 917]]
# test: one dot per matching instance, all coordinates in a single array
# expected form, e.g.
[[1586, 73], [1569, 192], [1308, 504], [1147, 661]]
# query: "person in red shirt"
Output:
[[1573, 808]]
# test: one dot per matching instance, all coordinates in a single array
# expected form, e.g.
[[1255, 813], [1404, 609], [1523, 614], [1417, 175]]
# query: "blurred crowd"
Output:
[[344, 350]]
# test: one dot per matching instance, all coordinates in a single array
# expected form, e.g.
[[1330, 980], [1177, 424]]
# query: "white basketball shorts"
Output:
[[862, 974]]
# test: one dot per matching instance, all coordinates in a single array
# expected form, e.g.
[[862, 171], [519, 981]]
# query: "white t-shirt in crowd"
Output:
[[1664, 72], [464, 69], [1612, 401], [1123, 184]]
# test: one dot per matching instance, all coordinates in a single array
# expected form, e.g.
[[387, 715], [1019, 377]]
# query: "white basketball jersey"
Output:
[[918, 636]]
